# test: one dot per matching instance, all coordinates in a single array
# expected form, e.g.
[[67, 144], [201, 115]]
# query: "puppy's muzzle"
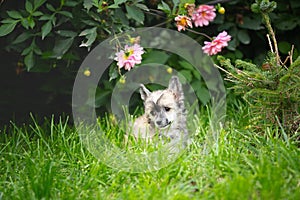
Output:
[[163, 124]]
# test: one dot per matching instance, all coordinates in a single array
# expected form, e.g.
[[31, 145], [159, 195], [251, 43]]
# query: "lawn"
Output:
[[48, 161]]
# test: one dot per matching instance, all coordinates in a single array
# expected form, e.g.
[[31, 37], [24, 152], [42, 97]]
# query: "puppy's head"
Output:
[[162, 106]]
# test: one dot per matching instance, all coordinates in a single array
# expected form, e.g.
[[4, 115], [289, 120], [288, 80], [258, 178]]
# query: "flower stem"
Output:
[[199, 33]]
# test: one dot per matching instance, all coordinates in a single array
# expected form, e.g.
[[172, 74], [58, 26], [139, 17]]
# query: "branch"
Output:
[[266, 19]]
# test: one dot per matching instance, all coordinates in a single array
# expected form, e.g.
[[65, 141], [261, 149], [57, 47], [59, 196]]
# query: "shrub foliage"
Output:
[[45, 35], [273, 88]]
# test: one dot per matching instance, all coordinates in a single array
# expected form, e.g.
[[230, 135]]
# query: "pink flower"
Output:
[[215, 46], [203, 15], [129, 57], [182, 22]]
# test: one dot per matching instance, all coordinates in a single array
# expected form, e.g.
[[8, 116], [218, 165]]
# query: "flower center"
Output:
[[128, 53], [203, 13], [183, 22]]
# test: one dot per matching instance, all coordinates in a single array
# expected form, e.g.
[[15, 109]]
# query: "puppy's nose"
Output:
[[158, 122]]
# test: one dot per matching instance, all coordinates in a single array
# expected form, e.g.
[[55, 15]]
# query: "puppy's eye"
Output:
[[167, 109], [152, 112]]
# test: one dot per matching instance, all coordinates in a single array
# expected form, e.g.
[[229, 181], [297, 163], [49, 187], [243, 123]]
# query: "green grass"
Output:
[[49, 162]]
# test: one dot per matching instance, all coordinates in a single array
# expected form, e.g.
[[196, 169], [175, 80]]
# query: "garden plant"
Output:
[[249, 151]]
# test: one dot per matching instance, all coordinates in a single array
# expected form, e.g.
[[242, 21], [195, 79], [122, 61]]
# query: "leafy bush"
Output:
[[58, 35], [273, 89], [47, 34]]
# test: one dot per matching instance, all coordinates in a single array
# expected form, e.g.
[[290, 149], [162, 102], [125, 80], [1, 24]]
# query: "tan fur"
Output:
[[142, 130], [164, 114]]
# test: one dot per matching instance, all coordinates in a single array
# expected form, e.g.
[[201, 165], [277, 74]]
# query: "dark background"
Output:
[[24, 92]]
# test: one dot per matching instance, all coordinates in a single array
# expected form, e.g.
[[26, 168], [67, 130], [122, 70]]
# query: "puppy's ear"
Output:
[[144, 92], [175, 85]]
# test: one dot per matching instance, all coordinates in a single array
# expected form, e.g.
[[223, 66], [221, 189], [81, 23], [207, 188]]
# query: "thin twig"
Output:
[[291, 52], [199, 33], [156, 13], [227, 72], [220, 68], [271, 31], [270, 43], [285, 61]]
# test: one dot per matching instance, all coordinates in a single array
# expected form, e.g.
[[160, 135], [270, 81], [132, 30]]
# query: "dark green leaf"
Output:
[[32, 48], [252, 23], [91, 37], [38, 3], [37, 50], [135, 13], [29, 60], [46, 17], [142, 6], [117, 2], [14, 14], [186, 65], [22, 37], [114, 6], [37, 13], [6, 29], [244, 37], [88, 4], [71, 3], [232, 44], [28, 6], [66, 33], [121, 17], [95, 16], [226, 26], [27, 50], [175, 5], [196, 74], [203, 94], [164, 7], [187, 75], [62, 46], [87, 31], [47, 55], [25, 23], [284, 47], [176, 2], [66, 13], [50, 7], [113, 72], [90, 22], [238, 54], [46, 28], [287, 23], [31, 22], [9, 21], [156, 56]]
